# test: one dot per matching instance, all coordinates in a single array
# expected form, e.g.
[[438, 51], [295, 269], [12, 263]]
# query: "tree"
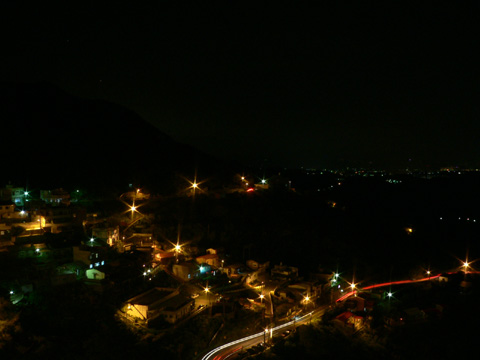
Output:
[[9, 324]]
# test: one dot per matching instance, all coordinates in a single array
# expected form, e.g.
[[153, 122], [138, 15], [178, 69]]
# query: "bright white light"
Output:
[[264, 181], [389, 294], [133, 208], [91, 239]]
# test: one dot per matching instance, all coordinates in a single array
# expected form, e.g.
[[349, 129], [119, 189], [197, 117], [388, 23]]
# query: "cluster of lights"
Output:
[[460, 218]]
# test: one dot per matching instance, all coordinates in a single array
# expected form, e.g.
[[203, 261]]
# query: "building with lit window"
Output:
[[159, 303], [55, 197], [91, 256]]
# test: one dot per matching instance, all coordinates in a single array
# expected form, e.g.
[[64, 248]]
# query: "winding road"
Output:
[[227, 351]]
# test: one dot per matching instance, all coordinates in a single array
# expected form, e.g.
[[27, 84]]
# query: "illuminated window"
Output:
[[97, 264], [103, 262], [91, 266]]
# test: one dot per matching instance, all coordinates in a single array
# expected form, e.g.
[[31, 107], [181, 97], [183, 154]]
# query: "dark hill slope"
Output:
[[54, 139]]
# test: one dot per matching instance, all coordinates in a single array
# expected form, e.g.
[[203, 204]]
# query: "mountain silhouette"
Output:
[[54, 139]]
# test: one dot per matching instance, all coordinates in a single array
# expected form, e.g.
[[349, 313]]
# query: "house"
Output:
[[348, 319], [58, 219], [55, 197], [283, 272], [163, 256], [16, 194], [6, 208], [78, 268], [166, 303], [138, 240], [95, 274], [93, 257], [186, 270], [209, 259], [233, 270], [255, 265], [109, 234], [355, 303]]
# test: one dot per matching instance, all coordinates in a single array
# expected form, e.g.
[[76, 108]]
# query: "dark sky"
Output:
[[383, 84]]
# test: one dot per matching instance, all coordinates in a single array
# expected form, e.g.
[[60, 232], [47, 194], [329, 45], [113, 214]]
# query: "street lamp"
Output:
[[306, 300], [207, 291]]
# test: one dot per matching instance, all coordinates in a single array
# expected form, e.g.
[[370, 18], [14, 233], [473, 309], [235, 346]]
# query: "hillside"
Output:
[[54, 139]]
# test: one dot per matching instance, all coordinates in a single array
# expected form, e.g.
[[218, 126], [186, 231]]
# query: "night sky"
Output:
[[375, 84]]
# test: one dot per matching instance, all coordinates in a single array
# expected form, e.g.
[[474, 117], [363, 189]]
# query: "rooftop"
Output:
[[152, 296]]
